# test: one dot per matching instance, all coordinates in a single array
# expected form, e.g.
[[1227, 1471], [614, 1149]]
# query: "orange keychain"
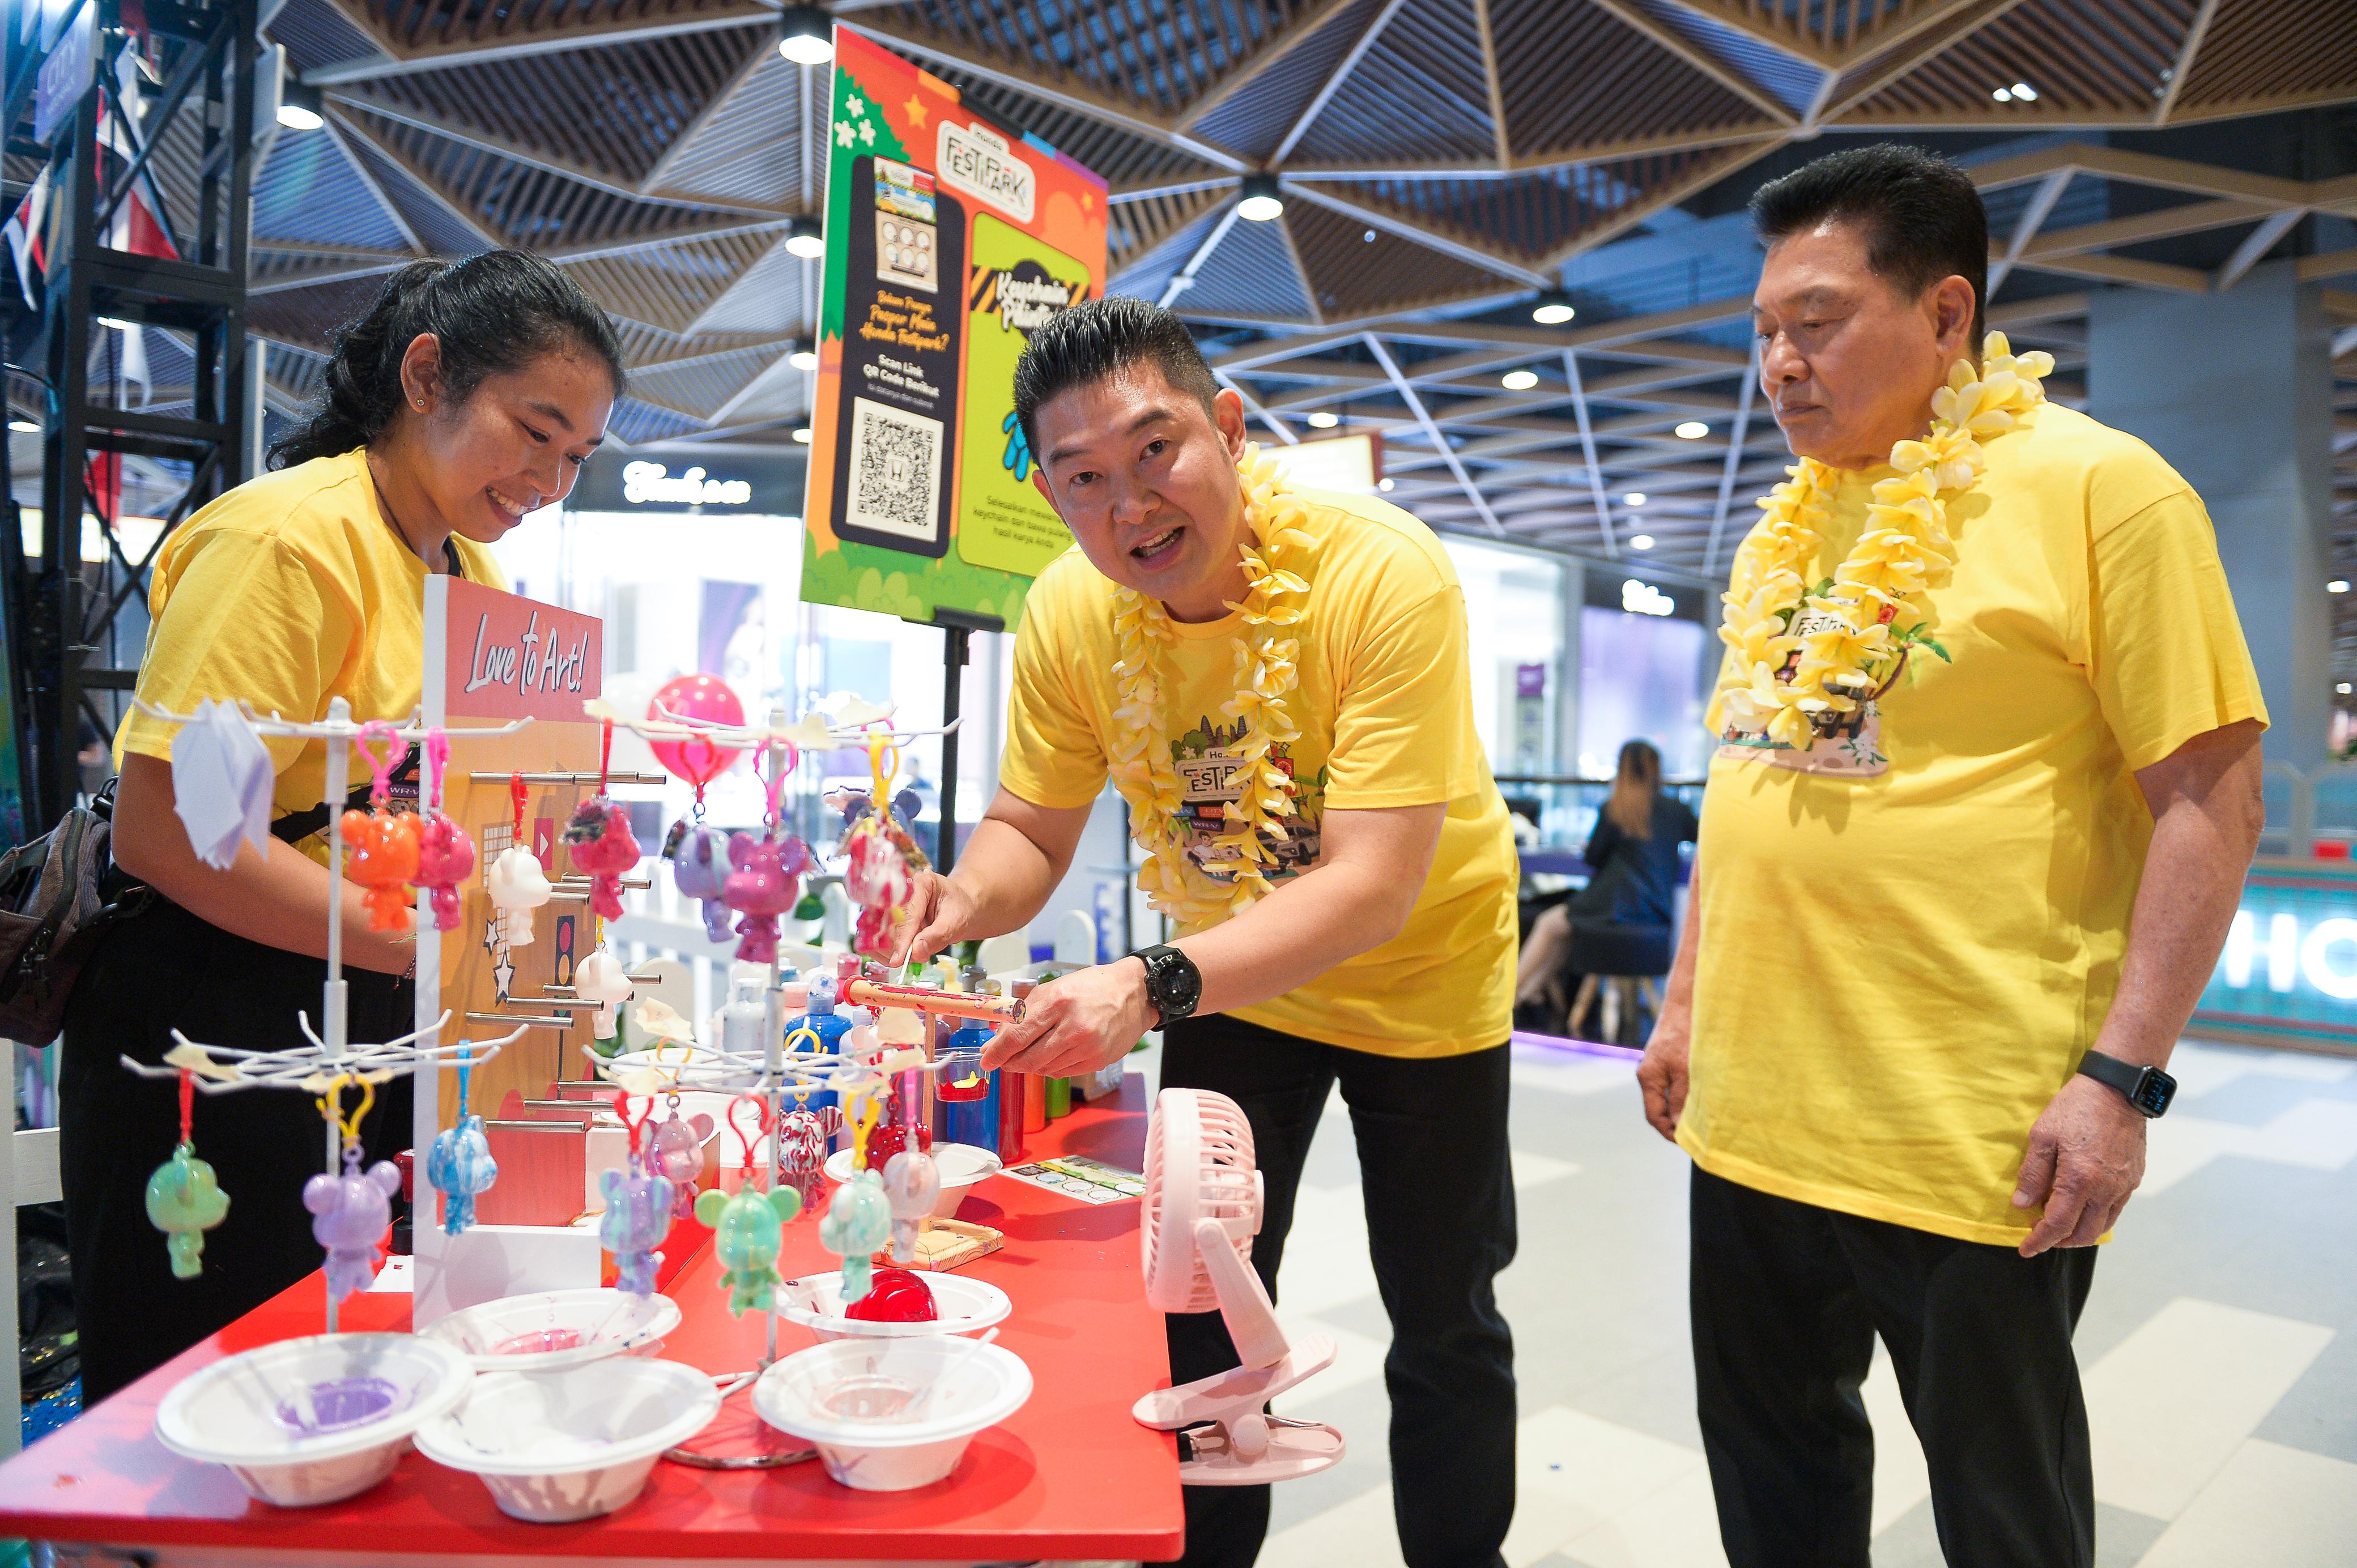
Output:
[[383, 842]]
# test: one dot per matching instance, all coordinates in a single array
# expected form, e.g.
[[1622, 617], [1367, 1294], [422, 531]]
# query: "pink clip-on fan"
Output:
[[1202, 1208]]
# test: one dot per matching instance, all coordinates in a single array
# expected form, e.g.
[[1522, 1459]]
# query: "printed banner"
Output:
[[949, 239]]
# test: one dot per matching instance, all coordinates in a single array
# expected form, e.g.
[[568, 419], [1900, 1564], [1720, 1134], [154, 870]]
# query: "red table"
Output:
[[1069, 1476]]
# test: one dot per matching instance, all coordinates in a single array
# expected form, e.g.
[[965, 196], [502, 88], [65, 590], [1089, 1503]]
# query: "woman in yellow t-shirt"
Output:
[[467, 396]]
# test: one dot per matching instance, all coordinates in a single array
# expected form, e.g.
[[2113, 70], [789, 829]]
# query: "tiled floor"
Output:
[[2218, 1348]]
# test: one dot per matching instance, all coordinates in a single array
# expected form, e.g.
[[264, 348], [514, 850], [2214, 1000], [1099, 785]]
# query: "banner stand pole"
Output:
[[958, 627]]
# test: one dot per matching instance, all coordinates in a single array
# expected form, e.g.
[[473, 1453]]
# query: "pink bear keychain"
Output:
[[446, 854], [602, 844], [767, 880]]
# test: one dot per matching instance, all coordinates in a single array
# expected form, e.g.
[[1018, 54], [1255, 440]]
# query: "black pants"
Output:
[[1440, 1224], [161, 968], [1787, 1300]]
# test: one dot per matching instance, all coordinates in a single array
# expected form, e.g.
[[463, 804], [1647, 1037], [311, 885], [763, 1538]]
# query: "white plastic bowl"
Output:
[[596, 1323], [558, 1447], [962, 1166], [316, 1420], [814, 1393], [965, 1307]]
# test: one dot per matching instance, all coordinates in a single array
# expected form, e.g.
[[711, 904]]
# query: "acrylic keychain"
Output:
[[677, 1145], [883, 860], [351, 1212], [638, 1210], [446, 854], [459, 1164], [698, 853], [184, 1198], [765, 881], [804, 1134], [599, 835], [383, 842], [517, 882], [746, 1227], [859, 1219]]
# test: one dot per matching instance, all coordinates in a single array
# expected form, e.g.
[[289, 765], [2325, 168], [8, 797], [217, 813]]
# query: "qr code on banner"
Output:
[[896, 471]]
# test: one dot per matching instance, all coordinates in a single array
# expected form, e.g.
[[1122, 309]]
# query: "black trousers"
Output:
[[1439, 1193], [1787, 1300], [162, 968]]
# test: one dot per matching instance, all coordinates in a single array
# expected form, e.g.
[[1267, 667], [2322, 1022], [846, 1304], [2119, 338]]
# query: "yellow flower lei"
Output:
[[1878, 599], [1267, 669]]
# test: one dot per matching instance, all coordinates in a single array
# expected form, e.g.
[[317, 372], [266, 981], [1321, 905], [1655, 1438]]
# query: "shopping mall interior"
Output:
[[1494, 263]]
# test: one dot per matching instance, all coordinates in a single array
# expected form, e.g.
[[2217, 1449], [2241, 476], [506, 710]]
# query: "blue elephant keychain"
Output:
[[184, 1200], [746, 1227], [638, 1213], [460, 1165]]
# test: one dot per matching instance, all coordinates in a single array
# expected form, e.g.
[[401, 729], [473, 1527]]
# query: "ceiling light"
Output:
[[1369, 237], [24, 427], [1552, 308], [808, 36], [803, 435], [2342, 688], [1384, 484], [2026, 92], [1634, 498], [1323, 419], [803, 358], [1693, 430], [806, 239], [1640, 542], [298, 105], [119, 325], [2337, 585], [1518, 381], [1260, 200], [2003, 95], [295, 117], [1644, 599]]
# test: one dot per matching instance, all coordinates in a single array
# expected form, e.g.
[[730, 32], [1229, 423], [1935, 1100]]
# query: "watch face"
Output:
[[2154, 1092], [1173, 982]]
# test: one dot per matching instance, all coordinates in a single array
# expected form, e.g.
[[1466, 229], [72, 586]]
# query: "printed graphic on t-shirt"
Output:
[[1845, 745], [1207, 758]]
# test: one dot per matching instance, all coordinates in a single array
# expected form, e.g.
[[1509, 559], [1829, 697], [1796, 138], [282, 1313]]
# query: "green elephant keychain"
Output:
[[746, 1228], [184, 1198]]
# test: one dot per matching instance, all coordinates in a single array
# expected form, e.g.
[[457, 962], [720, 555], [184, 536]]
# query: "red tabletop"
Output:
[[1069, 1476]]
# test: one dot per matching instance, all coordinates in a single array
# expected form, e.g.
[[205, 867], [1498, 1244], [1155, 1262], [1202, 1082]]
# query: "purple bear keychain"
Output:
[[699, 868], [351, 1212], [638, 1213], [678, 1154]]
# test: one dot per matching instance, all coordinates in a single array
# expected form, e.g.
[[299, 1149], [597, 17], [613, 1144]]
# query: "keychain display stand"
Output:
[[331, 1058], [854, 1075]]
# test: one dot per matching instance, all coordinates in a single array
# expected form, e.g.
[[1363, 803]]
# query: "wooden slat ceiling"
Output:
[[1442, 159]]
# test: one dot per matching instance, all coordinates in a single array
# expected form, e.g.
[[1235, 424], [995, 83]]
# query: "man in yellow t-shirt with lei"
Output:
[[1988, 785], [1277, 683]]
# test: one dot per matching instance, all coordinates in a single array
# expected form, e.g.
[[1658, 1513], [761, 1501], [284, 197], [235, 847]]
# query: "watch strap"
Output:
[[2146, 1088]]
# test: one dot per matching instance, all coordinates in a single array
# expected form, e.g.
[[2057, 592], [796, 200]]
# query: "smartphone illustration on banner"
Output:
[[895, 443]]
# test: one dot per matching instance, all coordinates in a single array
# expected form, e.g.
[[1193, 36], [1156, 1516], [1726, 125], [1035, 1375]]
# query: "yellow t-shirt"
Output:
[[1906, 951], [289, 591], [1385, 709]]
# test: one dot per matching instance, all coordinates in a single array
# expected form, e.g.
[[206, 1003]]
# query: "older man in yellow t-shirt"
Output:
[[1976, 825], [1277, 683]]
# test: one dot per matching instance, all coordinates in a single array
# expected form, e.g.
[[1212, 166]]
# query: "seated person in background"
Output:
[[1633, 863]]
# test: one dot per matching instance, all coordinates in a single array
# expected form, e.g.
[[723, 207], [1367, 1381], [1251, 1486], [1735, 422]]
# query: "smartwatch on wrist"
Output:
[[1173, 984], [2147, 1088]]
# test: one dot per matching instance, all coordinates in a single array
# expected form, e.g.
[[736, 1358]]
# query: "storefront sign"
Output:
[[2288, 973], [662, 480], [950, 240], [651, 484]]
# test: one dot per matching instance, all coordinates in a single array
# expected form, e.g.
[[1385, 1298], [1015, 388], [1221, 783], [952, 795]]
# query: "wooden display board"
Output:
[[492, 658]]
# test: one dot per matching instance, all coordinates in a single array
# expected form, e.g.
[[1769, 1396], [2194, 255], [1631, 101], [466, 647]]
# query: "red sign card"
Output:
[[512, 657]]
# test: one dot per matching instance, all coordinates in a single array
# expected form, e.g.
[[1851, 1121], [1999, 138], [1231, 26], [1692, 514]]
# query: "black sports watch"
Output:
[[1173, 984], [2147, 1088]]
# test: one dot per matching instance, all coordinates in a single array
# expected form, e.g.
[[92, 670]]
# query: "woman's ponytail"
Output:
[[492, 314]]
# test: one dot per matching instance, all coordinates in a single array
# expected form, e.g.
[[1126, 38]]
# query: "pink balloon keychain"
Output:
[[602, 844], [446, 854], [766, 880]]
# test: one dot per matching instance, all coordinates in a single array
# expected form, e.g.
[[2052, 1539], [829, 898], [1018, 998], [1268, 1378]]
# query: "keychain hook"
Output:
[[518, 794], [438, 764], [760, 1126], [379, 732]]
